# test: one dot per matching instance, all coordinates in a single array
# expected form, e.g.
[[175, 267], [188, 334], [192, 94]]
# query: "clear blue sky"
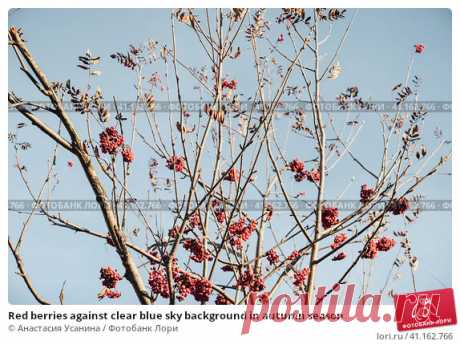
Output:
[[374, 58]]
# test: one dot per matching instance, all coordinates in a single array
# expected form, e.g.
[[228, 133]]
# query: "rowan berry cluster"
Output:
[[110, 294], [252, 281], [329, 217], [240, 231], [110, 140], [199, 253], [294, 255], [174, 231], [399, 206], [384, 244], [219, 211], [110, 278], [184, 283], [159, 282], [220, 216], [229, 84], [201, 290], [232, 175], [272, 256], [176, 163], [194, 221], [297, 166], [128, 155], [366, 193], [338, 240], [370, 251], [222, 300], [419, 48], [268, 213], [300, 276]]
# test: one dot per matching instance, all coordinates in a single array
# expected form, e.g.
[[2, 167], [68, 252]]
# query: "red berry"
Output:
[[296, 166], [329, 217], [370, 251], [128, 155], [232, 175], [419, 48], [176, 163], [110, 140], [385, 244], [110, 277], [338, 240], [272, 256]]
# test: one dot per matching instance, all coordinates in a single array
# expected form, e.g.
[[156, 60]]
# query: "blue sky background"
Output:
[[374, 58]]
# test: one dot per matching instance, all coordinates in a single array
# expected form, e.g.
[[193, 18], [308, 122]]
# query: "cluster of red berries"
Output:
[[194, 221], [272, 256], [314, 175], [232, 175], [128, 155], [229, 84], [268, 212], [109, 294], [366, 193], [220, 216], [300, 276], [297, 166], [338, 240], [110, 140], [174, 231], [176, 163], [158, 282], [219, 211], [370, 251], [329, 216], [399, 206], [294, 255], [201, 290], [110, 278], [384, 244], [184, 283], [419, 48], [263, 297], [199, 253], [240, 231], [252, 281], [222, 300]]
